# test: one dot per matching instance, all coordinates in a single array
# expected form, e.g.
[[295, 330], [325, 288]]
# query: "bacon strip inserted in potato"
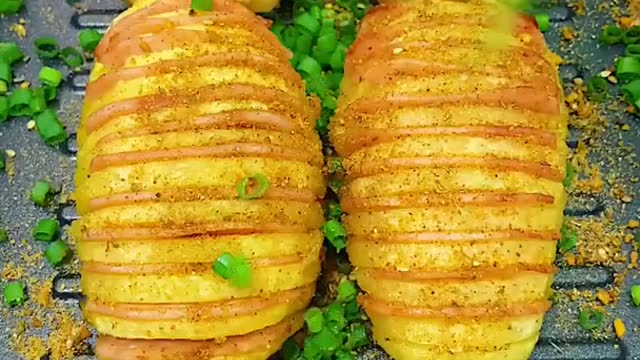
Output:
[[452, 128], [180, 108]]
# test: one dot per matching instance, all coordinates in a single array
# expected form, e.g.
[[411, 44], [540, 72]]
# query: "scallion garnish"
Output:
[[310, 68], [56, 252], [50, 92], [543, 21], [11, 7], [6, 73], [38, 102], [202, 5], [14, 294], [357, 336], [46, 230], [631, 90], [47, 48], [290, 350], [611, 35], [19, 102], [89, 39], [346, 291], [632, 35], [41, 193], [235, 269], [628, 68], [335, 233], [635, 295], [570, 174], [71, 57], [590, 319], [4, 108], [10, 53], [50, 128], [314, 319], [568, 239], [334, 210], [50, 76], [259, 182], [308, 22]]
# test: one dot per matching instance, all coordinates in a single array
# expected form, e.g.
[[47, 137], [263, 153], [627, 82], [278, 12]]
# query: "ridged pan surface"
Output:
[[561, 337]]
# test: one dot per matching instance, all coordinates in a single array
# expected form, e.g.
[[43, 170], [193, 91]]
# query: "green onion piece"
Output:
[[628, 68], [543, 21], [202, 5], [314, 319], [47, 48], [611, 35], [328, 42], [223, 266], [590, 319], [309, 67], [3, 88], [346, 291], [41, 192], [14, 293], [56, 252], [290, 350], [568, 239], [241, 273], [635, 295], [303, 44], [327, 340], [322, 124], [277, 28], [2, 161], [46, 230], [335, 233], [316, 12], [631, 90], [19, 102], [352, 311], [50, 93], [597, 88], [311, 349], [357, 336], [307, 22], [335, 184], [50, 76], [334, 164], [258, 181], [333, 79], [6, 73], [341, 354], [632, 35], [334, 210], [632, 50], [11, 7], [334, 317], [4, 108], [50, 128], [89, 39], [71, 57], [10, 53], [38, 102], [338, 57], [322, 57], [289, 37], [4, 235], [570, 175]]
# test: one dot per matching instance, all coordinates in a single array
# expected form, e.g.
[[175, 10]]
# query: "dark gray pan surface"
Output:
[[561, 339]]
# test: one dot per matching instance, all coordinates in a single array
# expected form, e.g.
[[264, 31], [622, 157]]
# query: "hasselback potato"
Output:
[[452, 128], [184, 112]]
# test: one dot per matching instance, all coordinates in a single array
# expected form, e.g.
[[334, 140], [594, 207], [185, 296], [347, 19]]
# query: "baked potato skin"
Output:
[[452, 130], [180, 107]]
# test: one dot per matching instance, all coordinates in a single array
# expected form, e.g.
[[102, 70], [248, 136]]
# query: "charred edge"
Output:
[[107, 14], [67, 295]]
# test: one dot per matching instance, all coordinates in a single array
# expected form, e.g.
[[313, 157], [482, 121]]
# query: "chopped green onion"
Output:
[[202, 5], [335, 184], [2, 161], [334, 316], [311, 350], [277, 28], [568, 239], [357, 336], [71, 57], [290, 350], [333, 79], [597, 88], [10, 53], [344, 355], [570, 175], [41, 193], [47, 48], [235, 269], [635, 295], [4, 108], [19, 102], [242, 273], [632, 35], [628, 68], [50, 76], [259, 181], [334, 210], [50, 128], [56, 252], [328, 42], [310, 67], [338, 57], [326, 340], [50, 92], [3, 88], [4, 235], [314, 319], [223, 266], [38, 102], [322, 124], [611, 35], [89, 39], [308, 22], [631, 90], [6, 73], [14, 293], [289, 37], [303, 44], [11, 7], [632, 50], [335, 233], [46, 230], [346, 291], [543, 21], [590, 319]]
